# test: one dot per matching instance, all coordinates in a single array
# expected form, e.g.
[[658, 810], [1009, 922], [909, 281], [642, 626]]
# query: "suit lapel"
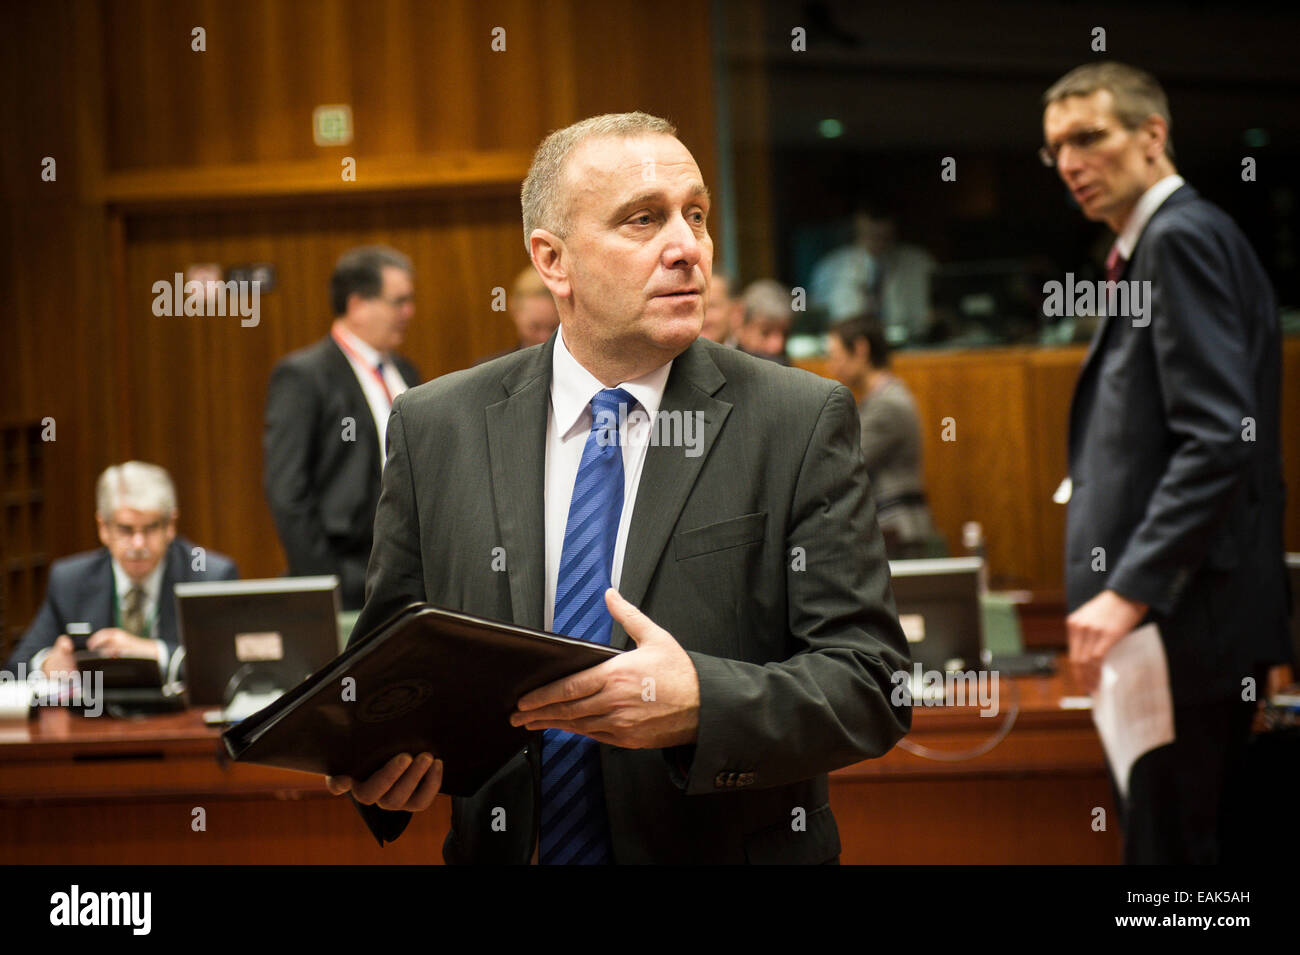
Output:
[[668, 474], [98, 595], [346, 378], [516, 430], [1183, 193]]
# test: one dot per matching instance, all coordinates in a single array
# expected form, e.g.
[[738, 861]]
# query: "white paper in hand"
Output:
[[1132, 707]]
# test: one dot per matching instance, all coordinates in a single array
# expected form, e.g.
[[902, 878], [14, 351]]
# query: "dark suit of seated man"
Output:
[[121, 592], [326, 411], [752, 591]]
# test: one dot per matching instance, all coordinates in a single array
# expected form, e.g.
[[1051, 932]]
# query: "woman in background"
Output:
[[891, 434]]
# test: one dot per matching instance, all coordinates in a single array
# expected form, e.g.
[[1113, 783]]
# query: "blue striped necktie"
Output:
[[575, 829]]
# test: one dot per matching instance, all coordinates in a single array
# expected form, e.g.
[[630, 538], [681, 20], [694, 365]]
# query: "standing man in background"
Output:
[[879, 276], [327, 415], [1175, 465]]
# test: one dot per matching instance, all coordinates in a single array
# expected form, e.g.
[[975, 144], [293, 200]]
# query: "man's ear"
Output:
[[355, 301], [1157, 130], [102, 525], [550, 259]]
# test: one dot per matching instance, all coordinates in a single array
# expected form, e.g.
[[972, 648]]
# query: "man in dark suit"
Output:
[[326, 412], [763, 649], [1175, 467], [120, 594]]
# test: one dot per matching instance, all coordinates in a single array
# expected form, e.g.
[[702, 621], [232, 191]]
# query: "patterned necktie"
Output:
[[1115, 263], [575, 829], [383, 382], [133, 612]]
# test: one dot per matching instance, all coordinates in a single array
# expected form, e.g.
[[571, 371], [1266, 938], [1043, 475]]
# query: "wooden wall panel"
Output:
[[420, 78], [205, 378], [985, 473], [1011, 410], [57, 361], [1051, 377]]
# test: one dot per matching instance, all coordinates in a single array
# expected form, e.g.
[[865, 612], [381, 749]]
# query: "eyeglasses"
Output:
[[399, 302], [1085, 140], [126, 531]]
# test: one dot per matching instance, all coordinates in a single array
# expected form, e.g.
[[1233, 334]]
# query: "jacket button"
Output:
[[720, 781], [745, 779]]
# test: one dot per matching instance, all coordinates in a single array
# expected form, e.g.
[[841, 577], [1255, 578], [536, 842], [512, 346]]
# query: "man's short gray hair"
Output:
[[137, 485], [544, 202], [1135, 93]]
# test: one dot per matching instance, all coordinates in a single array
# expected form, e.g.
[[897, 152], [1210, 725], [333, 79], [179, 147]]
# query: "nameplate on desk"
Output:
[[252, 647]]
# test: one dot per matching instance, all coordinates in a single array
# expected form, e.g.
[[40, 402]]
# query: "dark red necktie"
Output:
[[1115, 264]]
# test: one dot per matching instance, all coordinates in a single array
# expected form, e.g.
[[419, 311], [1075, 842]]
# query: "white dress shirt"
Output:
[[1146, 207], [567, 429], [122, 584], [152, 587], [358, 357]]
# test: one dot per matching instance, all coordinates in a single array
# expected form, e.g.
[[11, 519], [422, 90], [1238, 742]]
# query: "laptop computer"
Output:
[[938, 601], [248, 641]]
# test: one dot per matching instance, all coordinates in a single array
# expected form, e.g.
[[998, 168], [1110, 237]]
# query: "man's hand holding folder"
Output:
[[403, 783], [648, 698]]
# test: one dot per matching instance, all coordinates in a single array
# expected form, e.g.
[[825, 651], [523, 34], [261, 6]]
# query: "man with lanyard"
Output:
[[326, 419]]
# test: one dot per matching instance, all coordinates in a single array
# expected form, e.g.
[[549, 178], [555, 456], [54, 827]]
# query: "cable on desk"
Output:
[[1008, 721]]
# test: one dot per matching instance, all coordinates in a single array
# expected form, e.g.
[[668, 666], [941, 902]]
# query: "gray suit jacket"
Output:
[[760, 555]]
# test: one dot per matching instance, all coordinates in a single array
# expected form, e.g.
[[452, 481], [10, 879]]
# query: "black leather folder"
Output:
[[428, 680]]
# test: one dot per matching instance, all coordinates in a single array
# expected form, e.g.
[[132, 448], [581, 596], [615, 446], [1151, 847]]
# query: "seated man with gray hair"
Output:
[[121, 594]]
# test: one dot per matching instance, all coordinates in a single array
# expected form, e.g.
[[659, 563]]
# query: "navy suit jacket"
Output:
[[80, 590], [1175, 457]]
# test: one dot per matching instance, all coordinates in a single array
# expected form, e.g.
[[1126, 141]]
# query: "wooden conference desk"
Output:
[[85, 791]]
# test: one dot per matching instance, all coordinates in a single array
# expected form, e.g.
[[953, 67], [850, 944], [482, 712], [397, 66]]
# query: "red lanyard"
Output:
[[379, 376]]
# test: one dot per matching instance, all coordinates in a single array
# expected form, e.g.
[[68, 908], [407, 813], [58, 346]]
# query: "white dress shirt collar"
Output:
[[573, 387], [364, 351], [152, 585], [1146, 207]]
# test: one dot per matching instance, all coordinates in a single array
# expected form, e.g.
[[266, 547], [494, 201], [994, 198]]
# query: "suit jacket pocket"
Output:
[[783, 844], [734, 532]]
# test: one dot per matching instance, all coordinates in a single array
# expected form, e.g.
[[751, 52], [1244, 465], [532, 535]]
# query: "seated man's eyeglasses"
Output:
[[154, 529]]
